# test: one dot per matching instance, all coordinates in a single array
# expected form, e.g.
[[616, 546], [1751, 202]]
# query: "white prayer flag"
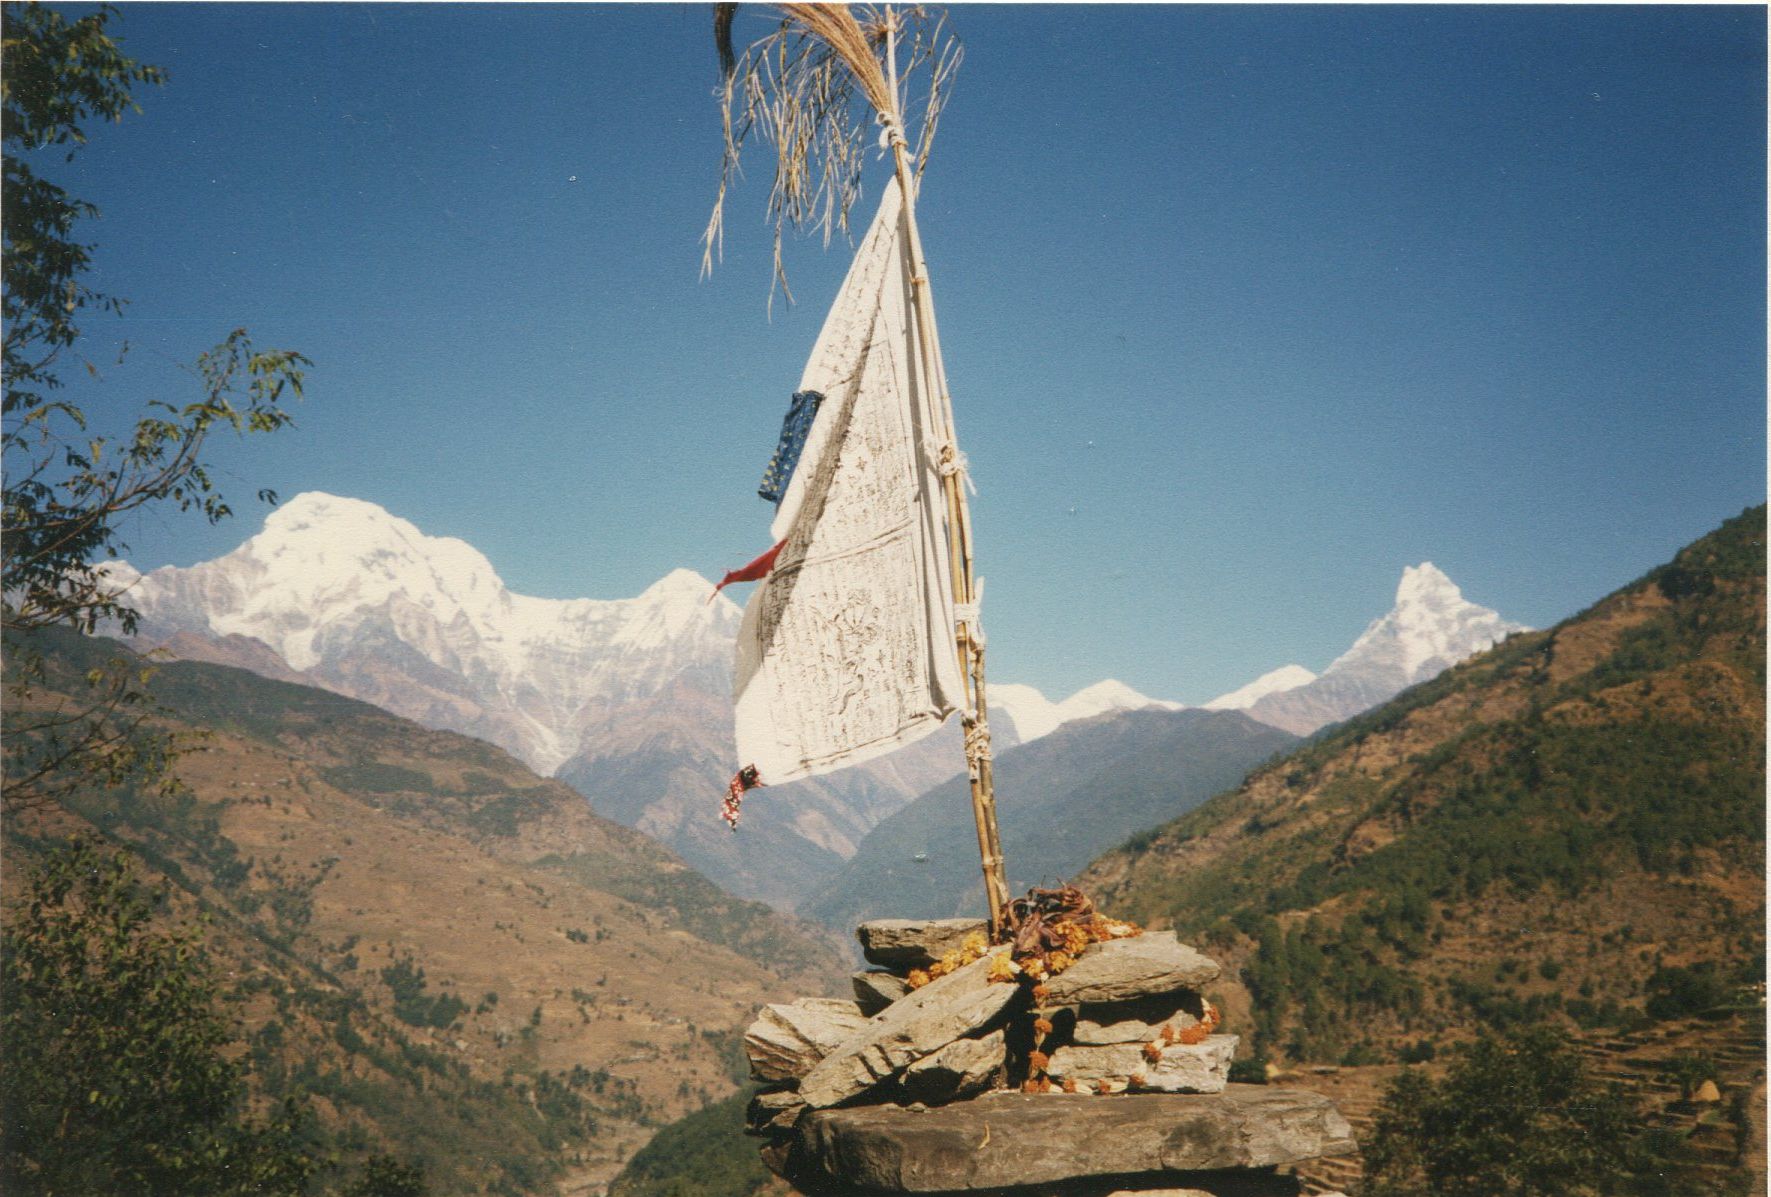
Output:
[[847, 649]]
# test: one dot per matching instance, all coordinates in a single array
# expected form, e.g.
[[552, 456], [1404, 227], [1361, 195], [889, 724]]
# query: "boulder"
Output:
[[1002, 1140], [1707, 1092], [786, 1040], [1121, 970], [928, 1019], [904, 944], [875, 990], [773, 1112], [1175, 1068], [1136, 1021], [964, 1068]]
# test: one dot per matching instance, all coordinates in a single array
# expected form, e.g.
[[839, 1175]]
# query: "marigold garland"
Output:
[[1045, 933]]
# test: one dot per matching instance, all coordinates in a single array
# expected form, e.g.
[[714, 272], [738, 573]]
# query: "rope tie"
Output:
[[890, 133], [950, 461], [977, 742], [966, 616]]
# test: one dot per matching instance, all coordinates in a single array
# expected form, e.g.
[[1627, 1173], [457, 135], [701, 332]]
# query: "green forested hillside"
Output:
[[441, 956], [1570, 825]]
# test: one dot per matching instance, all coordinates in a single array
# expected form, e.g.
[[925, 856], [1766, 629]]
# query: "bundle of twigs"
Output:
[[813, 88]]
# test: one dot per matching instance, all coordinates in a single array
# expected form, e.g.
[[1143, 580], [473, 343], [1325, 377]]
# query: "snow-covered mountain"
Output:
[[356, 600], [1034, 715], [629, 700], [1431, 628], [1286, 677]]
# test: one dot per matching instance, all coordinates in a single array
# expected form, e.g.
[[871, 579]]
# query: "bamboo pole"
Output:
[[979, 767]]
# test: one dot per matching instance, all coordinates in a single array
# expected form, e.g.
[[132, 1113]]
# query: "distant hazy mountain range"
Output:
[[1061, 802], [628, 700]]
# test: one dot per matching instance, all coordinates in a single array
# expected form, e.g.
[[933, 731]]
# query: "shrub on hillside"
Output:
[[1681, 991], [1517, 1116]]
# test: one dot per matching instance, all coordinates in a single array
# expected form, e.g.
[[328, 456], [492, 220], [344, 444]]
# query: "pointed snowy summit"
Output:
[[1431, 628]]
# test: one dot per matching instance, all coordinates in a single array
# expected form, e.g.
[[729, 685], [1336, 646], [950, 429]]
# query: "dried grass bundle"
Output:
[[800, 89]]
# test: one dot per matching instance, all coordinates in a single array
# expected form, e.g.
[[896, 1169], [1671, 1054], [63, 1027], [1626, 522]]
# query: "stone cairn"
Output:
[[1107, 1077]]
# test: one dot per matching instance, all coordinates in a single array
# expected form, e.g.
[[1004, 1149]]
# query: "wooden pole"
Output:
[[968, 640]]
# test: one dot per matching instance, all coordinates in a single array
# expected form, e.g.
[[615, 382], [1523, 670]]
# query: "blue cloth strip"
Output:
[[794, 429]]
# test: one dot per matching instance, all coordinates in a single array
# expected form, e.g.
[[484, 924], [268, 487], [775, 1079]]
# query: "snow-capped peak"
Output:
[[1034, 715], [1286, 677], [340, 587], [1426, 585], [1109, 695], [1431, 627]]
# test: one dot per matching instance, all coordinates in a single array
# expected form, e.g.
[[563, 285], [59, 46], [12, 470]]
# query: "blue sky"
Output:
[[1245, 308]]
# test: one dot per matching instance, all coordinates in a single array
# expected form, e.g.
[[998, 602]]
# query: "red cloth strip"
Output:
[[756, 569]]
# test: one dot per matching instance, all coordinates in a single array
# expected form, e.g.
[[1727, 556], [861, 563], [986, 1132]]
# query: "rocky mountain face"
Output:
[[627, 700], [1567, 827], [1431, 628], [1060, 801], [455, 958]]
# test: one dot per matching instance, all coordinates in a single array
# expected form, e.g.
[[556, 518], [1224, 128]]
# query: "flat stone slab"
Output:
[[1137, 1021], [876, 989], [1177, 1067], [916, 1025], [773, 1112], [1122, 970], [1004, 1140], [787, 1039], [905, 944], [964, 1068]]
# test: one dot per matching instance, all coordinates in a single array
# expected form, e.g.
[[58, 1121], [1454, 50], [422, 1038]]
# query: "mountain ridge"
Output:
[[1563, 826], [628, 700], [1127, 770]]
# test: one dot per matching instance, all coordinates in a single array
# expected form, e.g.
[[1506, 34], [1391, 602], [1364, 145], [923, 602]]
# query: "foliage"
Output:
[[1681, 991], [704, 1154], [1690, 1071], [94, 733], [412, 1005], [1513, 1118], [116, 1077], [385, 1176], [66, 489], [55, 76]]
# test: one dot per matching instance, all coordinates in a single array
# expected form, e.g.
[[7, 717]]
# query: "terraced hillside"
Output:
[[1719, 1142]]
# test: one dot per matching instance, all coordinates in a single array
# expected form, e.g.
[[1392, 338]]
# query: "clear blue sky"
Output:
[[1245, 308]]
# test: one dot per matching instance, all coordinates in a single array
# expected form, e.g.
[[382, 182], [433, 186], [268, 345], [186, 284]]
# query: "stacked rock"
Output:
[[853, 1086]]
